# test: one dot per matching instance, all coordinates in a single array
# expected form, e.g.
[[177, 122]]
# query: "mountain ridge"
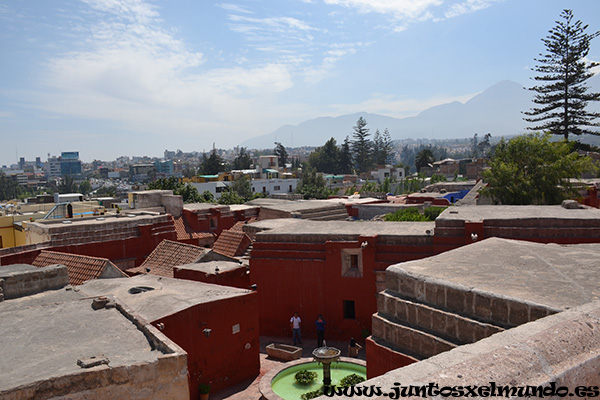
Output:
[[496, 110]]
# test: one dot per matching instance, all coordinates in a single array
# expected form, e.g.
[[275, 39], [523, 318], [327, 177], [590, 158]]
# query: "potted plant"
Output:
[[203, 391]]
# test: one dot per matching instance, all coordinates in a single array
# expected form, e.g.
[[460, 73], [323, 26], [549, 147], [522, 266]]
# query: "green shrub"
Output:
[[406, 214], [312, 395], [433, 212], [305, 377], [351, 380]]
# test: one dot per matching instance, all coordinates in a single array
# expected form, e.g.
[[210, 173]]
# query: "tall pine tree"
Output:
[[362, 147], [563, 95]]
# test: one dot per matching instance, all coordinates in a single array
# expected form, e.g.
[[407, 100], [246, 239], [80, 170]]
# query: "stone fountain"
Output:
[[325, 356]]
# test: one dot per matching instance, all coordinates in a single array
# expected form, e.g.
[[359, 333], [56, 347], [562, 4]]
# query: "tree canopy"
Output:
[[188, 192], [563, 70], [424, 158], [362, 147], [281, 154], [213, 164], [531, 169]]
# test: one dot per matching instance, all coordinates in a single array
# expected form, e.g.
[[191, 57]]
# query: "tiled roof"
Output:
[[166, 255], [232, 243], [240, 224], [184, 231], [80, 268]]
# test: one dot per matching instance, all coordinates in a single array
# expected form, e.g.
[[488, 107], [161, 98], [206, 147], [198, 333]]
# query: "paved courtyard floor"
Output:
[[249, 390]]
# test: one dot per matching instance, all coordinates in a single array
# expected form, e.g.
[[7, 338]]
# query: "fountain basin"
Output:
[[284, 352], [279, 383]]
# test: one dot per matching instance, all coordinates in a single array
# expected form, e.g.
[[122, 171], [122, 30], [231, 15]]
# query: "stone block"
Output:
[[423, 317], [499, 310], [482, 306], [407, 287], [455, 299], [518, 313]]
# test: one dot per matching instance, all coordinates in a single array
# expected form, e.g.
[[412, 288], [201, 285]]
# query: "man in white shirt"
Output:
[[295, 323]]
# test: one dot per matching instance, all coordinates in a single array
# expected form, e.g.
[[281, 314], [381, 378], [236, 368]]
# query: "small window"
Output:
[[353, 260], [276, 188], [213, 223], [352, 263], [349, 312]]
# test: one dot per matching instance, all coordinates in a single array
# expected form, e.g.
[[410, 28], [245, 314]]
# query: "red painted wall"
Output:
[[382, 359], [223, 358], [307, 278], [136, 249]]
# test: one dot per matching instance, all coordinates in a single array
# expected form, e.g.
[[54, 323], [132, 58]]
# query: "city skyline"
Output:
[[133, 77]]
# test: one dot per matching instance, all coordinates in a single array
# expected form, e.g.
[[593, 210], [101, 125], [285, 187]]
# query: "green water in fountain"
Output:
[[284, 384]]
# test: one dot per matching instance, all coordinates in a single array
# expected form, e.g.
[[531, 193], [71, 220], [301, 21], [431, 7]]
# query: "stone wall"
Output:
[[562, 348], [27, 282]]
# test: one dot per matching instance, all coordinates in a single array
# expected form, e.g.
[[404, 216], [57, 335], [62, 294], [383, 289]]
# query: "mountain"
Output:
[[496, 110]]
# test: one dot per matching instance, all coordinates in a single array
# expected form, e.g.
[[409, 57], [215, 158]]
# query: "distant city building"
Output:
[[164, 167], [70, 163]]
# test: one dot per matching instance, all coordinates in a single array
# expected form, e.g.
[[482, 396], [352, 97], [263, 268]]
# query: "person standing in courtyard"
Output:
[[320, 325], [295, 324]]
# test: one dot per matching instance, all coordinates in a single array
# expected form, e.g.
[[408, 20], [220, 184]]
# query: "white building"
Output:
[[394, 174], [265, 186]]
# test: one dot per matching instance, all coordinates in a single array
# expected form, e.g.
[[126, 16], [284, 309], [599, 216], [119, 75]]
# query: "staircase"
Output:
[[422, 331], [335, 212]]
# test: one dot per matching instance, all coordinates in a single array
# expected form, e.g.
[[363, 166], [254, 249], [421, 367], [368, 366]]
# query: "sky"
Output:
[[135, 77]]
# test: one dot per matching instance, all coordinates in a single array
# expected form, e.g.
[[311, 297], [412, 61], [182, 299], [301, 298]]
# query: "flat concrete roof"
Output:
[[559, 276], [305, 205], [481, 213], [169, 296], [296, 226], [96, 220], [40, 342], [295, 205], [209, 267], [12, 269]]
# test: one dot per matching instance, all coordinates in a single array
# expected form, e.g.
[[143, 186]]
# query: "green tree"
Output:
[[187, 191], [345, 160], [312, 185], [281, 154], [9, 188], [531, 169], [67, 184], [362, 147], [424, 158], [382, 147], [242, 187], [326, 158], [213, 164], [85, 187], [563, 95], [242, 159]]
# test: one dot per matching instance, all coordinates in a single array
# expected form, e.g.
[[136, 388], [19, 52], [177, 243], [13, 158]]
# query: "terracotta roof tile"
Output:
[[238, 226], [232, 243], [80, 268], [184, 231], [169, 254]]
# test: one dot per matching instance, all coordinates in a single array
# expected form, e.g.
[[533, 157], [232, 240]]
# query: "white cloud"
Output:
[[468, 6], [234, 8], [411, 9]]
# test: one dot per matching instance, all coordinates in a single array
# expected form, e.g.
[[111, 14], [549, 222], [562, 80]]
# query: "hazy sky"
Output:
[[136, 77]]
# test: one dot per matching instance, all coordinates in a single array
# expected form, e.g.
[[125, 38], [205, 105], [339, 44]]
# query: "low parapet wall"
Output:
[[562, 348], [24, 280]]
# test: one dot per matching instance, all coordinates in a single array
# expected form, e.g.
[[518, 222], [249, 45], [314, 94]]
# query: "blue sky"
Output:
[[136, 77]]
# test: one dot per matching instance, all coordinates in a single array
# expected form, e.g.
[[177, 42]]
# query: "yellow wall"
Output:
[[7, 232]]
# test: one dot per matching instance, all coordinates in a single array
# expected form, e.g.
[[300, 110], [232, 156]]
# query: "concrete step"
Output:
[[444, 324], [409, 340]]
